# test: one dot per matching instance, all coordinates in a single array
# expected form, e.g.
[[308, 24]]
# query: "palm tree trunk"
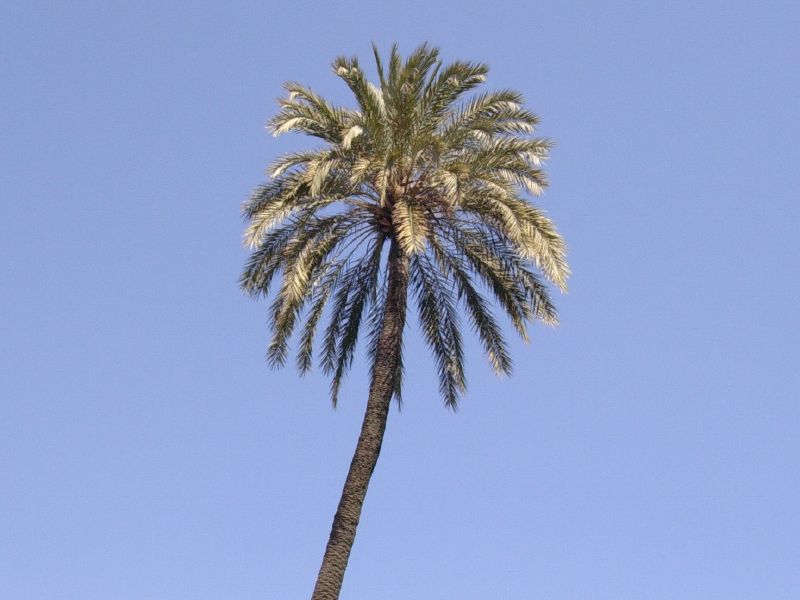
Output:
[[343, 531]]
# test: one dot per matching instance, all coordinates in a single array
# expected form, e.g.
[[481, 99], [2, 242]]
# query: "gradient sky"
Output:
[[648, 448]]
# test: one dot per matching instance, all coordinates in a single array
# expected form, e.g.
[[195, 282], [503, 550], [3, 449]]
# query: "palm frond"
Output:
[[485, 262], [411, 226], [326, 284], [483, 321], [300, 261], [367, 278], [304, 111], [265, 262], [438, 317]]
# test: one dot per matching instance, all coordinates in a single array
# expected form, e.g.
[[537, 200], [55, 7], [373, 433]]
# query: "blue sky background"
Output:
[[647, 448]]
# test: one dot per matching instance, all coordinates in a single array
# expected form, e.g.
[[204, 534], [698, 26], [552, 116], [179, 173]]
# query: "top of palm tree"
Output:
[[417, 162]]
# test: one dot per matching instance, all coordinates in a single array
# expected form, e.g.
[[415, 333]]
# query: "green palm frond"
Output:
[[478, 310], [423, 162], [302, 257], [353, 288], [306, 112], [364, 291], [326, 284], [372, 108], [438, 317], [265, 262]]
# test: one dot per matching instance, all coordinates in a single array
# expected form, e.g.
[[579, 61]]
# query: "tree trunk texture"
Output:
[[343, 531]]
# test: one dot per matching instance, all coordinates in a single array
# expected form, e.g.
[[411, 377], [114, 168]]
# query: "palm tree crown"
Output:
[[442, 177]]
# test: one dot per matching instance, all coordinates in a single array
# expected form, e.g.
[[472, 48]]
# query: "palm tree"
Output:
[[418, 190]]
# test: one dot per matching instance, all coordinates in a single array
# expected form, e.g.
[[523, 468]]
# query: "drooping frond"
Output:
[[366, 278], [355, 289], [526, 227], [265, 262], [478, 310], [321, 294], [302, 259], [439, 320]]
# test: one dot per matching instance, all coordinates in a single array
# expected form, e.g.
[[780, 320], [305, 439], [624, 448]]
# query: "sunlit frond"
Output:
[[410, 225], [321, 294]]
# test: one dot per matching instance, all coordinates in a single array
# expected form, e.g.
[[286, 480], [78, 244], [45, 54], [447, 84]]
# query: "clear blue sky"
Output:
[[647, 448]]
